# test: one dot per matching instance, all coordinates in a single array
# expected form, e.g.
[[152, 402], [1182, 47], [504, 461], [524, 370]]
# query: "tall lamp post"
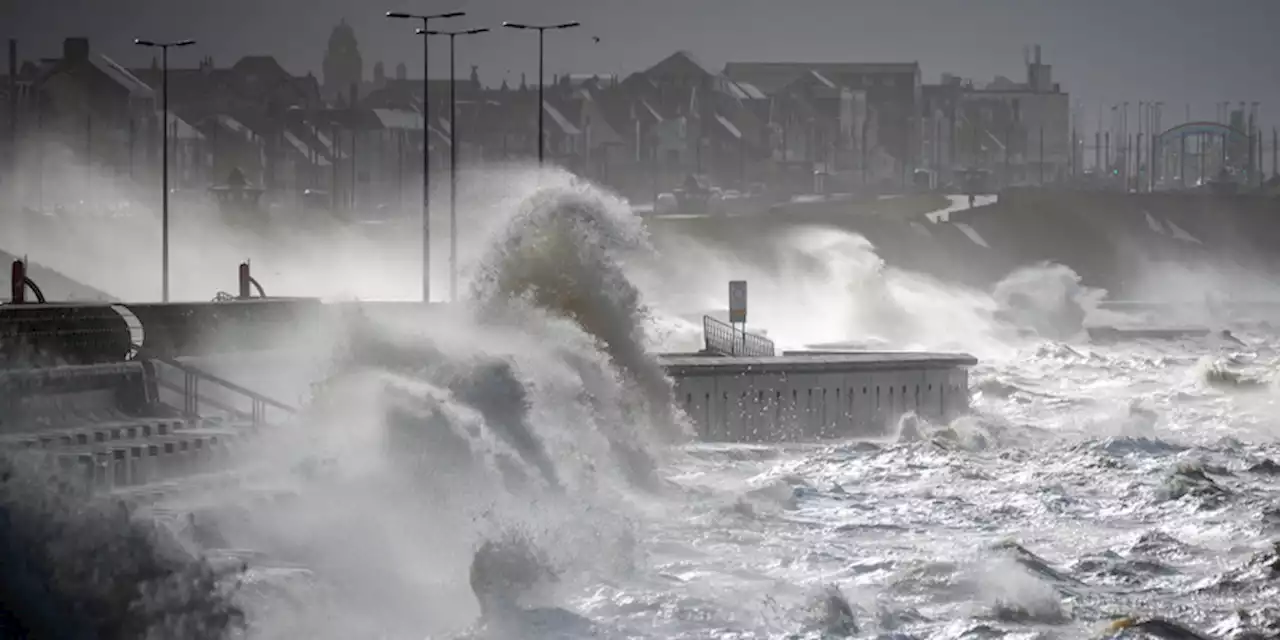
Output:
[[453, 153], [541, 29], [164, 156], [426, 154]]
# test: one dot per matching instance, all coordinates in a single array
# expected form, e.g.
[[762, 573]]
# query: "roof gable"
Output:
[[120, 76], [680, 64]]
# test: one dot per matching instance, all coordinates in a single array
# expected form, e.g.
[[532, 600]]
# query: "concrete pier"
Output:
[[816, 396]]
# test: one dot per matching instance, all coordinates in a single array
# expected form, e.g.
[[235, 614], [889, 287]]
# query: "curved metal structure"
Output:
[[56, 334], [19, 283], [1198, 128]]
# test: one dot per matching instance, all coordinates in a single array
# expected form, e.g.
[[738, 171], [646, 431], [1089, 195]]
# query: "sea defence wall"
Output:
[[1115, 241], [1118, 241], [793, 397], [802, 397]]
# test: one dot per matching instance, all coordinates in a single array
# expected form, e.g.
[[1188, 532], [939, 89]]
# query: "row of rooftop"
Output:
[[749, 122]]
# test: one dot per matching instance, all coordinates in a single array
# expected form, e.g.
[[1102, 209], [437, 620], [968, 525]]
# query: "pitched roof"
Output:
[[771, 77], [399, 119], [680, 59], [181, 129], [121, 76], [558, 117], [251, 78], [746, 91]]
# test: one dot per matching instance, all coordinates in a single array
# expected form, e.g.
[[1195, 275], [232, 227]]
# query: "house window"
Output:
[[888, 81]]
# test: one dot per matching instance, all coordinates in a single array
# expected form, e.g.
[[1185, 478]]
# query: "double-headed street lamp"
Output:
[[426, 154], [541, 29], [164, 155], [453, 154]]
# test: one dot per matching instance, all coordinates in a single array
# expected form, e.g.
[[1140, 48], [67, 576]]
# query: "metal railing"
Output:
[[727, 340], [227, 396]]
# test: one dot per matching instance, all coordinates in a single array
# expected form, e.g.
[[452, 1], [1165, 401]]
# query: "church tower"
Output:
[[343, 65]]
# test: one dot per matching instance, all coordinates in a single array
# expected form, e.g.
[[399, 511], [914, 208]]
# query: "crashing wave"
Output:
[[1045, 300], [563, 252]]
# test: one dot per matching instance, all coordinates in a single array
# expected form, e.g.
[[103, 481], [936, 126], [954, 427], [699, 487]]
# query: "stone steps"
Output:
[[108, 457]]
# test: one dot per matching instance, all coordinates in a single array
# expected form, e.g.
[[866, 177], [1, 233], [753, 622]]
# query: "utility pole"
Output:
[[1151, 163], [1107, 144], [542, 29], [10, 166], [1137, 171], [1182, 159], [1041, 145], [1097, 152], [426, 143], [1072, 154], [164, 161], [453, 154]]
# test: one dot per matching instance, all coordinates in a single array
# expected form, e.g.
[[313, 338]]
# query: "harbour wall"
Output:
[[793, 397]]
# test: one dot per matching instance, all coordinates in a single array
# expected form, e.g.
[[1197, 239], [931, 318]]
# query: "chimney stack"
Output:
[[75, 49]]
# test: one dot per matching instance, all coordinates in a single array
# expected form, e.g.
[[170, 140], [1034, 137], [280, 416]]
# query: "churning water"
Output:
[[517, 470]]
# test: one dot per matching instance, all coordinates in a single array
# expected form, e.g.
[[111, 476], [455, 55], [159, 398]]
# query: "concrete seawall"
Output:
[[899, 229], [794, 397], [1112, 240]]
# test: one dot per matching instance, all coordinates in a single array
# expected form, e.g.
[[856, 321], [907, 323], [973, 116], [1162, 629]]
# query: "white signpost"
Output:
[[738, 309]]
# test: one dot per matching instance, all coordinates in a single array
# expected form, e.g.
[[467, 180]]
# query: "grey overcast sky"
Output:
[[1195, 52]]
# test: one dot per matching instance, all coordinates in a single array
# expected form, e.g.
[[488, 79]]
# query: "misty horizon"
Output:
[[1103, 54]]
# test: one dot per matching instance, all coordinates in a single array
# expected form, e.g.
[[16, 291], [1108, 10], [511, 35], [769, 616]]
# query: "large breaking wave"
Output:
[[531, 412]]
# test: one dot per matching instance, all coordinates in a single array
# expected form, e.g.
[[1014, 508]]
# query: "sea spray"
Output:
[[1046, 300], [813, 284], [563, 251], [79, 568], [533, 405]]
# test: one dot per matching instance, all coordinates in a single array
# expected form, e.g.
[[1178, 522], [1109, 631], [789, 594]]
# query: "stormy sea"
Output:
[[518, 469]]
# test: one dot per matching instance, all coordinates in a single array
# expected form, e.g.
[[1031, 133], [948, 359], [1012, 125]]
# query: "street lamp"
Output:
[[453, 154], [164, 155], [426, 155], [541, 29]]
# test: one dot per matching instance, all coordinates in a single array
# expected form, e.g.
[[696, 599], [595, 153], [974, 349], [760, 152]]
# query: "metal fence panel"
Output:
[[728, 340]]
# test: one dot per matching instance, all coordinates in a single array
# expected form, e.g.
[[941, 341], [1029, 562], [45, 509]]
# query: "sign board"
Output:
[[737, 301]]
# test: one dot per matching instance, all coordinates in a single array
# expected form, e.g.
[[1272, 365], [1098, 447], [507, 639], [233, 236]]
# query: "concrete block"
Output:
[[798, 397]]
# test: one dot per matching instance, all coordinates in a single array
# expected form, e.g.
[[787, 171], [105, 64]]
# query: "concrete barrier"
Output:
[[189, 329], [816, 396], [1111, 239], [797, 396], [104, 458]]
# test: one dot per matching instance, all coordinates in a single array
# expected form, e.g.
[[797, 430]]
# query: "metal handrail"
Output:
[[726, 339], [190, 390]]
